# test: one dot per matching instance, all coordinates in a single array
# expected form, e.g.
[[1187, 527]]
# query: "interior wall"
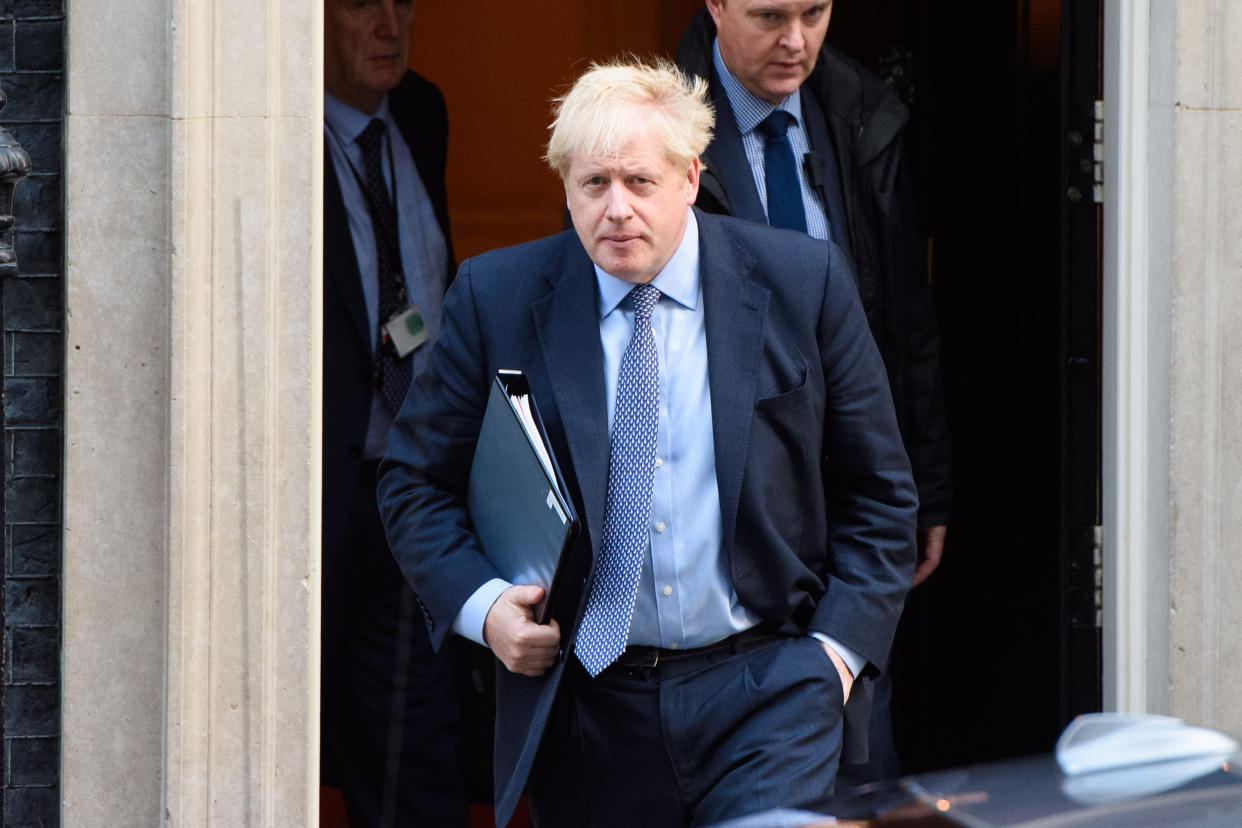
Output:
[[499, 71]]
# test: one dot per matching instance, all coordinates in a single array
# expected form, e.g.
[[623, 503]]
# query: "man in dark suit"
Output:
[[727, 433], [390, 718], [766, 60]]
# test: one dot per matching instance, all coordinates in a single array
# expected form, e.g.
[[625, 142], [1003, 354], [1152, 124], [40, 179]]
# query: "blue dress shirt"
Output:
[[424, 254], [749, 111], [685, 594]]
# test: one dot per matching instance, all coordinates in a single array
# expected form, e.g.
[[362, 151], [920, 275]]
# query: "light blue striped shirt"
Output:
[[749, 111]]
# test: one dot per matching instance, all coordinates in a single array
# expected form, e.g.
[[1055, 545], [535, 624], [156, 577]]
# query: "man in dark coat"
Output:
[[390, 717], [723, 419], [765, 57]]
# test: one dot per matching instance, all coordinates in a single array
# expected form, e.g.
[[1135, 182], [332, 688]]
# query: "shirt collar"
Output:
[[345, 121], [749, 109], [679, 280]]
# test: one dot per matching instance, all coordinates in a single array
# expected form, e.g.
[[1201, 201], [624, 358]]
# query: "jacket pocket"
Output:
[[786, 400]]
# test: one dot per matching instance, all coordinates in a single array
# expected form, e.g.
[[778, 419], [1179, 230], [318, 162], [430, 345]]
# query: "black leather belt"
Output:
[[659, 662]]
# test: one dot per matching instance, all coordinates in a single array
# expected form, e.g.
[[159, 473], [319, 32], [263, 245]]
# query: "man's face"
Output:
[[770, 45], [630, 211], [366, 48]]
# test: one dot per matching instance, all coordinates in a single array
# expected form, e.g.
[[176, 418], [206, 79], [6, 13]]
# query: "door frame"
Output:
[[1135, 415]]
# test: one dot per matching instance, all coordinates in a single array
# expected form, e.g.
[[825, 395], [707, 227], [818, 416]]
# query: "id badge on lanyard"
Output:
[[406, 330]]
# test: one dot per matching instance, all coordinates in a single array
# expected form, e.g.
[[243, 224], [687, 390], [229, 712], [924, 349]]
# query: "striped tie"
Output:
[[393, 373]]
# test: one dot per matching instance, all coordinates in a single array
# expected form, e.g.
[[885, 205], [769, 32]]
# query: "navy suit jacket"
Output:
[[817, 502]]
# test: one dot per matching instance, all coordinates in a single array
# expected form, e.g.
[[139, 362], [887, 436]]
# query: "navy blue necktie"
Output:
[[784, 192], [393, 373], [627, 505]]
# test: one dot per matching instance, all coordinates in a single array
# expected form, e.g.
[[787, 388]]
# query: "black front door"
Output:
[[1000, 648]]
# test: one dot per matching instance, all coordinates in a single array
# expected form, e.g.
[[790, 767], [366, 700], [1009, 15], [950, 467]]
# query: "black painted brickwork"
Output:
[[32, 59]]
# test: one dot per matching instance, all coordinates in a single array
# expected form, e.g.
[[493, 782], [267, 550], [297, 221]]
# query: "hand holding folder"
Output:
[[521, 643], [516, 496]]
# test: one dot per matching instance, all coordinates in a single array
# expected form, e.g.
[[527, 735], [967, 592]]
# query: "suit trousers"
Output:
[[744, 733], [390, 718]]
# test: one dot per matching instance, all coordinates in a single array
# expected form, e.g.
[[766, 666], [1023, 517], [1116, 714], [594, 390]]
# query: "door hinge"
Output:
[[1097, 566], [1097, 187]]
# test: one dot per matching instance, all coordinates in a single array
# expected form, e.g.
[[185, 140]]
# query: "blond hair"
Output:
[[596, 116]]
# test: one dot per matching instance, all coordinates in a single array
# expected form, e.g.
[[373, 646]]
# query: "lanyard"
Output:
[[374, 209]]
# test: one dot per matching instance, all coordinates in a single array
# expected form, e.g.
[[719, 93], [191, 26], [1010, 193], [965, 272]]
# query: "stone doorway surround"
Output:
[[191, 585], [1172, 360]]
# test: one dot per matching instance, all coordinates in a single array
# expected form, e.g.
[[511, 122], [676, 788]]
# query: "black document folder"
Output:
[[516, 496]]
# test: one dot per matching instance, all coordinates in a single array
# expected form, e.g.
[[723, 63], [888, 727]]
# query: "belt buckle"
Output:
[[639, 663], [647, 661]]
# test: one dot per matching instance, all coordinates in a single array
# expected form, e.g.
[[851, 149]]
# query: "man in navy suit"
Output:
[[390, 717], [725, 426]]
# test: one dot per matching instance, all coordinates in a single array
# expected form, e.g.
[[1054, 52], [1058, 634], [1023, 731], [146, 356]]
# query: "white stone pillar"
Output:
[[1205, 368], [1173, 349], [191, 592]]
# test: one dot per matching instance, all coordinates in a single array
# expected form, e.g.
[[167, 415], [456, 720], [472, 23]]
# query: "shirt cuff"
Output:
[[852, 660], [469, 620]]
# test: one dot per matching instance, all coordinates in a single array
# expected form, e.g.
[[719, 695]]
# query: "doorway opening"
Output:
[[1000, 648]]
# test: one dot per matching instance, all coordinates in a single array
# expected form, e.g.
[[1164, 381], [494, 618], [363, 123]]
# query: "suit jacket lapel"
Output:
[[567, 326], [340, 261], [816, 126], [726, 161], [735, 311]]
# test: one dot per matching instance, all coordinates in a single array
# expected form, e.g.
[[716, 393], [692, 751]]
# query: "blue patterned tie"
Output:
[[627, 506], [781, 174]]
